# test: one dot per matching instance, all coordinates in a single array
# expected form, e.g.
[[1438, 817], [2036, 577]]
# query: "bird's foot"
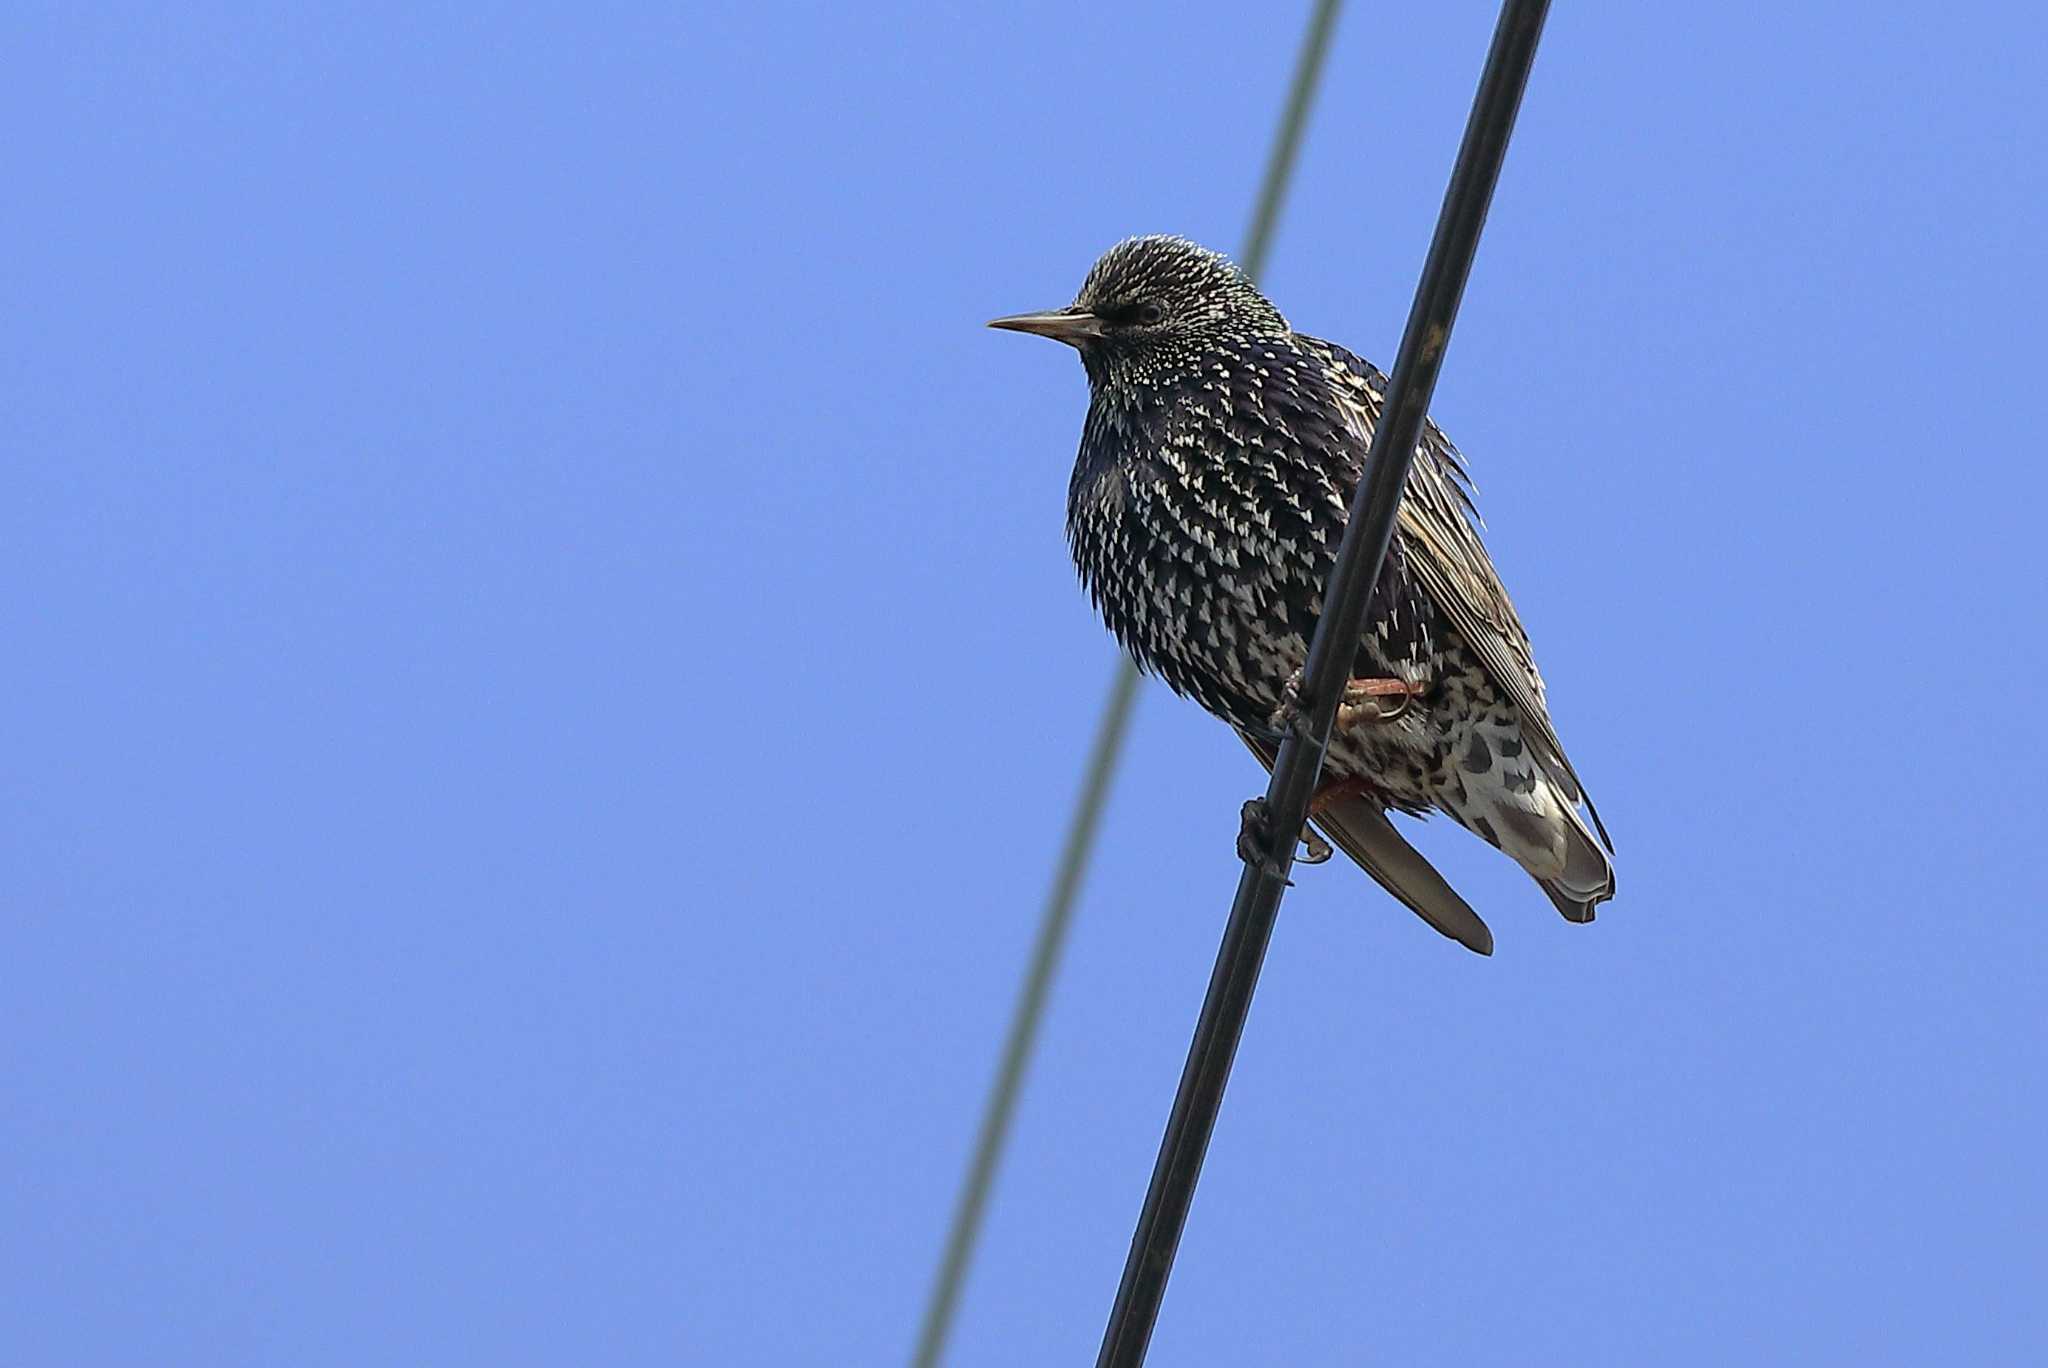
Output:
[[1329, 791], [1251, 831], [1251, 837], [1361, 703], [1288, 717], [1251, 834]]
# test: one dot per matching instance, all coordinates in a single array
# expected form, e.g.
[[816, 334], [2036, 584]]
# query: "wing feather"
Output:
[[1439, 525]]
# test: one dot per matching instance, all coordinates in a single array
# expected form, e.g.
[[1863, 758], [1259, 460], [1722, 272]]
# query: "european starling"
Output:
[[1216, 470]]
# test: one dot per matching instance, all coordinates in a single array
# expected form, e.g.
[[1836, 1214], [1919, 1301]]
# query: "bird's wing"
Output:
[[1361, 830], [1439, 523]]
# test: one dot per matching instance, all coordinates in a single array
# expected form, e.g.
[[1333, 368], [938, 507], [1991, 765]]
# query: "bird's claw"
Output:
[[1251, 838], [1288, 716], [1361, 703], [1251, 831]]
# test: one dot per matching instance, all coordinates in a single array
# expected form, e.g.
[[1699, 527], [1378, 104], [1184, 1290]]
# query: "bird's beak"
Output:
[[1072, 326]]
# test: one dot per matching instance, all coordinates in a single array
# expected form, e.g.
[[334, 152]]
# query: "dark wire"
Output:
[[1366, 536], [1095, 784]]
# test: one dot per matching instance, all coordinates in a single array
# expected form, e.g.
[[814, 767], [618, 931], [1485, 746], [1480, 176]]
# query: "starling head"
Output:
[[1152, 306]]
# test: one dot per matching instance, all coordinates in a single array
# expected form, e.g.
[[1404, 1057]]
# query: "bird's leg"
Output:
[[1330, 790], [1361, 700], [1287, 716], [1359, 704]]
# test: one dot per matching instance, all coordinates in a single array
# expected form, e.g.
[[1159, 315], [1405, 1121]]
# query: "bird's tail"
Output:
[[1545, 832], [1588, 878]]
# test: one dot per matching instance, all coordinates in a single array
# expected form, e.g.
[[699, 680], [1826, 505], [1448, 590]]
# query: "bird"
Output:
[[1217, 463]]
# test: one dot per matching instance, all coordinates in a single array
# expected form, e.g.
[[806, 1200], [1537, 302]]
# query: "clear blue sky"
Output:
[[542, 683]]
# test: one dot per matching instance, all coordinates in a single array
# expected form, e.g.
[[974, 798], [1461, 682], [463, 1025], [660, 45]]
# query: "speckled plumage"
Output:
[[1217, 463]]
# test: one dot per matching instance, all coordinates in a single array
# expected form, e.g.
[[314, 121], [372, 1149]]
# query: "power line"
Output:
[[1095, 783], [1285, 806], [1002, 1098]]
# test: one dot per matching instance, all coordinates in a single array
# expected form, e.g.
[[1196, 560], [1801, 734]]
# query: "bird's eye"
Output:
[[1144, 313]]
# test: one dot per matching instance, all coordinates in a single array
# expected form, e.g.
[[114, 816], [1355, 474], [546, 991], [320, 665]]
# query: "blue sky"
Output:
[[543, 684]]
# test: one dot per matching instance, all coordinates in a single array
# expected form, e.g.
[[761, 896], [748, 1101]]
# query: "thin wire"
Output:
[[1002, 1099], [1095, 785], [1308, 72], [1367, 534]]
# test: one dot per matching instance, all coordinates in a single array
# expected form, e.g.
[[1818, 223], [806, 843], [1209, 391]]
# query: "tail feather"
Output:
[[1588, 878], [1362, 831], [1573, 908], [1530, 817]]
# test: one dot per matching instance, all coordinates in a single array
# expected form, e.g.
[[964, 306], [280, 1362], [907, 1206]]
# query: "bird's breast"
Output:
[[1208, 573]]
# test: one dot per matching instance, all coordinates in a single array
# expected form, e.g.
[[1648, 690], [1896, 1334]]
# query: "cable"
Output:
[[1095, 784], [1366, 537]]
